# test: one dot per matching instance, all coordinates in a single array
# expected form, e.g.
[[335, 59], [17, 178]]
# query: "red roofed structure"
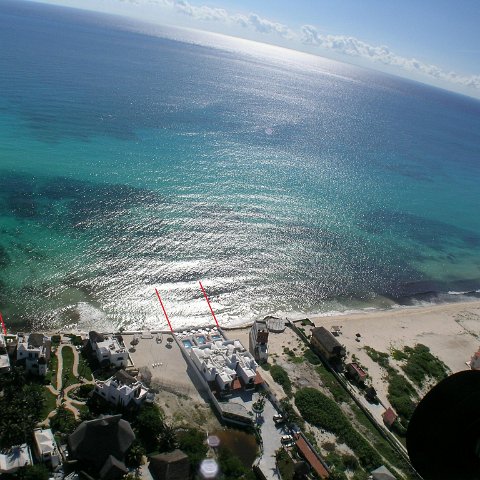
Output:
[[311, 457], [389, 417], [356, 372]]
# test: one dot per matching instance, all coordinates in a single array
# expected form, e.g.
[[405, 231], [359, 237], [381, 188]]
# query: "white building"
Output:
[[4, 359], [108, 349], [121, 389], [34, 349], [223, 362], [258, 341], [16, 457], [45, 447]]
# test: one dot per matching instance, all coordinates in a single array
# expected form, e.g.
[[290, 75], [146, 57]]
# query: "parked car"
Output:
[[278, 418], [286, 439]]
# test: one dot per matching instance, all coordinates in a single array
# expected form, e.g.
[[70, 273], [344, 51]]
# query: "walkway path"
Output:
[[62, 393]]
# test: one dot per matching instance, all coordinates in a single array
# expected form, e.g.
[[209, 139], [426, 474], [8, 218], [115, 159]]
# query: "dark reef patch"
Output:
[[430, 233]]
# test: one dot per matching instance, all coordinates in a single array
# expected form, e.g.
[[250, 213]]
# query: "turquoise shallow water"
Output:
[[134, 158]]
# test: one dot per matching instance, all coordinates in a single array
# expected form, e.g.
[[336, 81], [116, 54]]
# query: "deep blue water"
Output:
[[135, 157]]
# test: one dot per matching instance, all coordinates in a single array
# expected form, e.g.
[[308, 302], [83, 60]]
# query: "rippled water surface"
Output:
[[286, 183]]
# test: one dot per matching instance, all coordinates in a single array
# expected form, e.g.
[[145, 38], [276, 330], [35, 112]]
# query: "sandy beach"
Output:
[[451, 331]]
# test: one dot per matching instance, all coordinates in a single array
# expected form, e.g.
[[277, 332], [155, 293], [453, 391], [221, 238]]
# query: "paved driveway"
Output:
[[271, 435]]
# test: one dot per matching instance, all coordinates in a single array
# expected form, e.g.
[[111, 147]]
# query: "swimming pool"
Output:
[[201, 340], [216, 337], [187, 343]]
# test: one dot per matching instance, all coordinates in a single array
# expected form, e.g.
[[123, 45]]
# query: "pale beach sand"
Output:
[[451, 331]]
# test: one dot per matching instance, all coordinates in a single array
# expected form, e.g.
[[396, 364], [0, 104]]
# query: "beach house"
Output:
[[122, 389], [34, 351], [356, 372], [258, 340], [108, 349], [100, 446], [14, 458], [223, 362], [170, 466], [46, 449], [327, 345]]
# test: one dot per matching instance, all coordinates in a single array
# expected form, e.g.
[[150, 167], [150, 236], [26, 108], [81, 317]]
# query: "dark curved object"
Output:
[[444, 432]]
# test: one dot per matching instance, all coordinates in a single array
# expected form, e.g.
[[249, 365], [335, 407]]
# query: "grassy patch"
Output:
[[280, 375], [291, 355], [378, 357], [331, 383], [321, 411], [84, 368], [49, 402], [421, 364], [311, 357], [285, 465], [401, 393], [378, 442], [51, 375], [68, 377]]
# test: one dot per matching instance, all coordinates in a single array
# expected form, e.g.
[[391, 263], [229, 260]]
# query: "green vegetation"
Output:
[[285, 465], [291, 355], [280, 375], [321, 411], [378, 357], [379, 442], [192, 442], [67, 369], [63, 421], [306, 321], [331, 383], [21, 406], [232, 467], [134, 455], [400, 392], [75, 340], [49, 402], [33, 472], [310, 356], [290, 414], [51, 376], [83, 391], [148, 426], [84, 369], [421, 364], [55, 340]]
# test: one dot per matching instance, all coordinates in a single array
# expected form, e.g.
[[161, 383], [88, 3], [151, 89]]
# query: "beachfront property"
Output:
[[46, 449], [223, 362], [356, 372], [122, 389], [4, 358], [258, 340], [15, 458], [169, 466], [108, 349], [34, 350], [327, 345], [100, 446], [389, 417]]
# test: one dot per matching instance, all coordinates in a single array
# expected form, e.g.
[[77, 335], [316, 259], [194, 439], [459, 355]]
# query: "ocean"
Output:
[[135, 157]]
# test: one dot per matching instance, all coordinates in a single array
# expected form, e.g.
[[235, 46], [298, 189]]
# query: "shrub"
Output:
[[280, 375], [192, 442], [321, 411], [311, 357], [63, 421], [421, 364]]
